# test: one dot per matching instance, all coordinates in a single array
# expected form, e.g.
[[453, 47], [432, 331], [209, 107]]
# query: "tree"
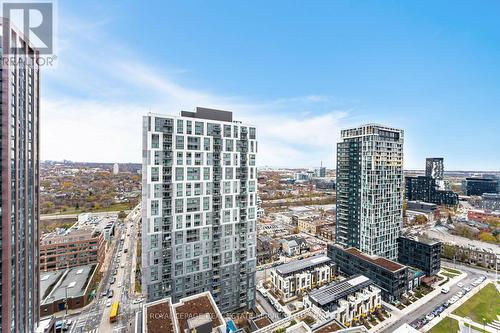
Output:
[[122, 215], [420, 219], [449, 251], [487, 237], [450, 221]]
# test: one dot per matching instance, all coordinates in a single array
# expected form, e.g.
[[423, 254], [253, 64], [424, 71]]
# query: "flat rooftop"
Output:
[[48, 281], [376, 260], [423, 240], [298, 265], [73, 281], [337, 290]]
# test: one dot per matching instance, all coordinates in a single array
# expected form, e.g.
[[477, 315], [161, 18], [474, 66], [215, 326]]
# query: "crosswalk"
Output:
[[95, 330]]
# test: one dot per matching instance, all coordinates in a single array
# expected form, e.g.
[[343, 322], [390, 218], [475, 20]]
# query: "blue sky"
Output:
[[299, 70]]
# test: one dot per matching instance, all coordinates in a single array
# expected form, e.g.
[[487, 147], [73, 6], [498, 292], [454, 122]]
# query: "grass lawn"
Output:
[[447, 325], [451, 276], [451, 270], [485, 304]]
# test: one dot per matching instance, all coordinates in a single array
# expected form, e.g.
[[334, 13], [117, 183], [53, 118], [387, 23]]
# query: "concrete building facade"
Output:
[[199, 207], [299, 276]]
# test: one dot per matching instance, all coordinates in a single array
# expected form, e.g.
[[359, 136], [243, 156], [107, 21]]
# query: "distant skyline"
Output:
[[299, 71]]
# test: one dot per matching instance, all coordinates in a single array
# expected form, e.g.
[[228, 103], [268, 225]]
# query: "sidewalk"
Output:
[[453, 307], [396, 315]]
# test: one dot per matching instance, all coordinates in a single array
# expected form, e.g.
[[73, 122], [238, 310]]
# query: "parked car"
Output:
[[108, 303], [460, 285], [445, 290]]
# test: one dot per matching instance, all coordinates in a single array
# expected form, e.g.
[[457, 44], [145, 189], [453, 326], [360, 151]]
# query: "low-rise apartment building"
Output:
[[347, 301], [421, 253], [76, 246], [482, 216], [312, 225], [299, 276], [327, 232], [392, 278]]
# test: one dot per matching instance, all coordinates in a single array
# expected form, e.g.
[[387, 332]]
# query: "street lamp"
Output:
[[66, 299]]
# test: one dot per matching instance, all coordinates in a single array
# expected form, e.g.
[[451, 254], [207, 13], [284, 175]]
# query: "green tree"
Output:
[[449, 251]]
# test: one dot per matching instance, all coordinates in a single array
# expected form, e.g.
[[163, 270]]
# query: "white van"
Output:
[[445, 290]]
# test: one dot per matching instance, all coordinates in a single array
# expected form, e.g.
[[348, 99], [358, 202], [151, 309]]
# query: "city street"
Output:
[[428, 307], [268, 308], [95, 317]]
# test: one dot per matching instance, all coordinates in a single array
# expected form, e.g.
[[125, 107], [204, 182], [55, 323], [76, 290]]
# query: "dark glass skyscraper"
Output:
[[19, 293]]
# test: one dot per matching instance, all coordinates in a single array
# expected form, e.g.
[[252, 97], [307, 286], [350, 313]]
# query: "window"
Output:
[[179, 205], [193, 143], [228, 201], [155, 174], [179, 142], [206, 143], [198, 128], [227, 159], [229, 145], [206, 173], [179, 189], [180, 127], [189, 129], [252, 133], [229, 173], [193, 204], [193, 173], [198, 158], [227, 131], [155, 141], [179, 173], [197, 189]]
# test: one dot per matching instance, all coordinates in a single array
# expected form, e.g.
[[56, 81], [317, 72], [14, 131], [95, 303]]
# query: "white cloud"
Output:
[[94, 102]]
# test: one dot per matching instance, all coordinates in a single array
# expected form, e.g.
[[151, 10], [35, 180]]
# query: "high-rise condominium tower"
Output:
[[370, 189], [20, 181], [199, 207], [434, 168]]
